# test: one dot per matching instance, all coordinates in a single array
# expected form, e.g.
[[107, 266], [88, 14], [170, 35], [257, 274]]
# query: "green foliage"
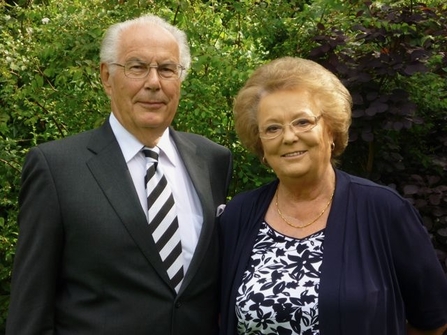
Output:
[[390, 55]]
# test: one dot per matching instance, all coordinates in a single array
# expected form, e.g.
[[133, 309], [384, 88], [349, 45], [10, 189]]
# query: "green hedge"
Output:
[[392, 58]]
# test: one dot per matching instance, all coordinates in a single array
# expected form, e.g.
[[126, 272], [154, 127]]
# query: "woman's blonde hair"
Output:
[[290, 73]]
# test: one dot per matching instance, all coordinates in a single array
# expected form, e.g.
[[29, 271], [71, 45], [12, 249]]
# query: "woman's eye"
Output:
[[301, 122], [273, 128]]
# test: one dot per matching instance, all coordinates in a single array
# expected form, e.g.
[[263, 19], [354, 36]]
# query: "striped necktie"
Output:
[[163, 222]]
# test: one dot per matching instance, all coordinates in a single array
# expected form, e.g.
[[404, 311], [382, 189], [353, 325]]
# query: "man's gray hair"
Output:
[[109, 46]]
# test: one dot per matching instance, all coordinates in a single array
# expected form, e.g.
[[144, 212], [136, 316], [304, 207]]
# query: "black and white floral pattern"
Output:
[[279, 290]]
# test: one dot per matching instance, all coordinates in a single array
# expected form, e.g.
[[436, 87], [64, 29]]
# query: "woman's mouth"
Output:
[[294, 154]]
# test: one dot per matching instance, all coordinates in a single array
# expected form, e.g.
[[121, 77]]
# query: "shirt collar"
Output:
[[128, 143], [167, 148], [131, 146]]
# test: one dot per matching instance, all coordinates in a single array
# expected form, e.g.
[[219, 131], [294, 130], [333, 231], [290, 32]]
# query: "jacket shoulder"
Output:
[[201, 141], [252, 203], [365, 189]]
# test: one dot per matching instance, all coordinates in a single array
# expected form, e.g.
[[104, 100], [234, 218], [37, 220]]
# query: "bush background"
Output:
[[392, 57]]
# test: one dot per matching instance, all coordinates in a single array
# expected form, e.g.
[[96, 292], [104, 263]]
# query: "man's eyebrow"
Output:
[[134, 59]]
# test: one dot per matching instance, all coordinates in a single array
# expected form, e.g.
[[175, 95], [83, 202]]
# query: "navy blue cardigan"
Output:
[[379, 267]]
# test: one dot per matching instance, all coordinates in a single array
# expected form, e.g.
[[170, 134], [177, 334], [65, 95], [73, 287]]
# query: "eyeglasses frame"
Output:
[[317, 118], [149, 67]]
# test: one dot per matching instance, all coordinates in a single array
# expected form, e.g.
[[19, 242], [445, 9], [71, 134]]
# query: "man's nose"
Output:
[[153, 78]]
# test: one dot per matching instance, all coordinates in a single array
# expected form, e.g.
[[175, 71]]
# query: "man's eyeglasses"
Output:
[[140, 70], [300, 125]]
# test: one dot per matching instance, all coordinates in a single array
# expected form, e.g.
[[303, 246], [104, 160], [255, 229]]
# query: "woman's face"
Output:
[[294, 154]]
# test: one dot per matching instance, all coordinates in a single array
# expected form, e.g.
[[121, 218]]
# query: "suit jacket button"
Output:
[[178, 304]]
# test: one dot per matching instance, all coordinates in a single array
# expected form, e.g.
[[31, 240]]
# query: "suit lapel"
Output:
[[110, 171], [198, 172]]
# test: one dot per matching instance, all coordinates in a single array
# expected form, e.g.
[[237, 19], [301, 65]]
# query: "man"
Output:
[[86, 260]]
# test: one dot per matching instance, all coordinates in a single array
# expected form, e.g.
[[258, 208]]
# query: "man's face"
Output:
[[143, 106]]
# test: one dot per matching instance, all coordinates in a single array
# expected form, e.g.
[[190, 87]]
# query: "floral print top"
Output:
[[279, 290]]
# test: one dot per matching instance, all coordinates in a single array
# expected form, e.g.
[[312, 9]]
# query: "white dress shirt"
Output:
[[189, 209]]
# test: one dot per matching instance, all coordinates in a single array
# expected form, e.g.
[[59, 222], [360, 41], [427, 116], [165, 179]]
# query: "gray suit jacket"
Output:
[[85, 260]]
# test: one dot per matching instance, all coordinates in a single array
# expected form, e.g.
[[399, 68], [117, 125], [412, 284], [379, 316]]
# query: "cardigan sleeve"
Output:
[[422, 282], [379, 266]]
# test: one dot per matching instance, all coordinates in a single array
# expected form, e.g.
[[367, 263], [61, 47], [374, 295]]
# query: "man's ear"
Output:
[[105, 78]]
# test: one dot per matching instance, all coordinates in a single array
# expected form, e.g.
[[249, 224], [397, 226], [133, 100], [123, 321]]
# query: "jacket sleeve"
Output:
[[38, 251]]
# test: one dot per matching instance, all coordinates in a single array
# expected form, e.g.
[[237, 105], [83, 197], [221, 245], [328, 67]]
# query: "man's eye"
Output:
[[136, 67], [168, 69]]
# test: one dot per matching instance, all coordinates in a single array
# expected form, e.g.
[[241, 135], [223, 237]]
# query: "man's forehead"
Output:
[[148, 38], [147, 29]]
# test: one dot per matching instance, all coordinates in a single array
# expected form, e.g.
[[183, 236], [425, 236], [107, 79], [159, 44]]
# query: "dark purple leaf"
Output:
[[380, 107], [359, 27], [407, 123], [409, 108], [320, 38], [353, 136], [442, 232], [371, 111], [372, 96], [397, 125], [367, 136], [420, 203], [418, 54], [417, 178], [442, 255], [357, 98], [399, 166], [392, 185], [319, 51], [415, 68], [395, 110], [418, 120], [438, 212], [388, 125], [399, 95], [410, 189], [398, 66], [342, 69], [364, 77], [384, 98], [435, 199], [357, 113], [440, 189]]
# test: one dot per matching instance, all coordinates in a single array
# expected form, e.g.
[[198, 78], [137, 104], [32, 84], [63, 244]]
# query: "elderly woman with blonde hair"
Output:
[[319, 251]]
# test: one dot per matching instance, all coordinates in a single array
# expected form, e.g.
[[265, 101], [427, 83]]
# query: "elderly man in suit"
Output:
[[90, 259]]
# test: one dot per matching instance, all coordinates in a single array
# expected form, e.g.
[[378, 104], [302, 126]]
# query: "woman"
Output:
[[318, 251]]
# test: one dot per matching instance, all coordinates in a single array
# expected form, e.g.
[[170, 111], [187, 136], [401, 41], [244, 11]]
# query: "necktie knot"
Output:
[[151, 155]]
